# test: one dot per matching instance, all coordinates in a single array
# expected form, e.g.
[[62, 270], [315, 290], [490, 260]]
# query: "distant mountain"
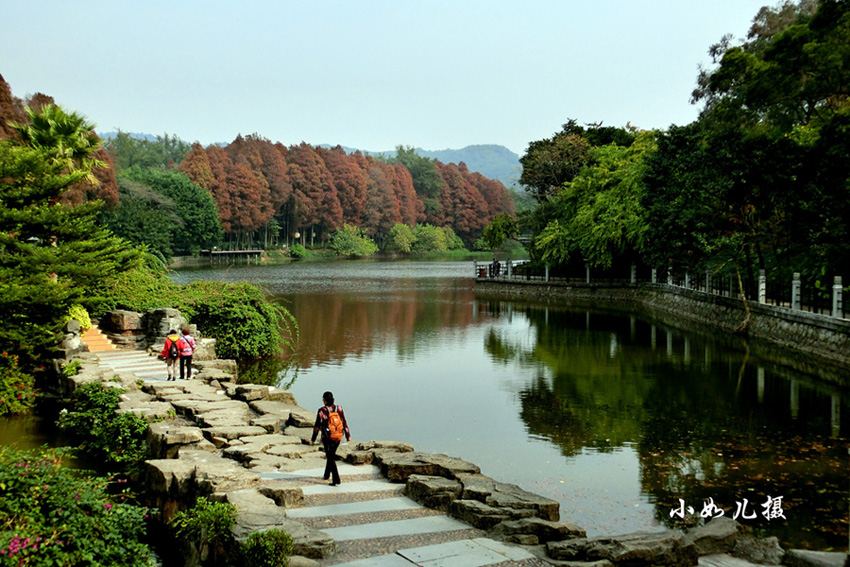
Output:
[[490, 160]]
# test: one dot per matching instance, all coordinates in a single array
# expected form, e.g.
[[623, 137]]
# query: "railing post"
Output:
[[475, 268], [654, 275], [687, 281], [508, 267], [587, 274], [670, 274], [633, 277], [762, 287], [708, 279], [796, 301], [837, 298], [547, 273]]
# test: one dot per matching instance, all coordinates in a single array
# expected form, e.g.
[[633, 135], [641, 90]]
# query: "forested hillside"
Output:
[[178, 197]]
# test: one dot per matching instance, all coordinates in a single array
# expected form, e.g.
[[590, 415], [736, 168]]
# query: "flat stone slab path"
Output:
[[397, 540], [143, 365]]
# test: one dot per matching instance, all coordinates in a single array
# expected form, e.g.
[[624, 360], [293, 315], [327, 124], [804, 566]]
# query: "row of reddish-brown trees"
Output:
[[306, 189]]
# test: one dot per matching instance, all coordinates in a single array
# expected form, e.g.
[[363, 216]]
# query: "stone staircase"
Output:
[[373, 525], [96, 340], [140, 363]]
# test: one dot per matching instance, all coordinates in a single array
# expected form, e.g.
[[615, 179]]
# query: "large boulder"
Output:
[[762, 551], [502, 495], [482, 516], [533, 531], [397, 467], [433, 491], [638, 549], [717, 536], [256, 512], [806, 558]]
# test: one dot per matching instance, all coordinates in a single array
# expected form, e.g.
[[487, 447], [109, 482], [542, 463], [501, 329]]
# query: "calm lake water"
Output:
[[620, 419]]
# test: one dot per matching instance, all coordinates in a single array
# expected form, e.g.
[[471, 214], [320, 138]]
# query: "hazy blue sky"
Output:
[[369, 74]]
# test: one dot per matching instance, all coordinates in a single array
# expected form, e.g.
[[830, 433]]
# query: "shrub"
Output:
[[207, 525], [140, 289], [401, 239], [53, 515], [107, 436], [17, 390], [79, 313], [350, 241], [72, 368], [298, 251], [244, 322], [269, 548]]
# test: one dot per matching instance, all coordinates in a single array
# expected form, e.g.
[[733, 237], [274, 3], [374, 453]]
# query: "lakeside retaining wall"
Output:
[[808, 342]]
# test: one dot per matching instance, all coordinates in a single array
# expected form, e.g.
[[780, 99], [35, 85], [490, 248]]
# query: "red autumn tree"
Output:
[[382, 206], [495, 194], [464, 208], [196, 166], [350, 180], [316, 200], [411, 208], [250, 205]]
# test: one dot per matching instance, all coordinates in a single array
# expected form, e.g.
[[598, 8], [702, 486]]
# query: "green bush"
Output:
[[269, 548], [350, 241], [79, 313], [106, 436], [140, 289], [298, 251], [207, 525], [244, 322], [72, 368], [52, 515], [17, 388]]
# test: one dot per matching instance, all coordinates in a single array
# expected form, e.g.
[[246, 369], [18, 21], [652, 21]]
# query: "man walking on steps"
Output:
[[330, 421]]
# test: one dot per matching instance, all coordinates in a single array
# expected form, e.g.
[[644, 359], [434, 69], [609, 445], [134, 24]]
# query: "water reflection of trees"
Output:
[[704, 427], [335, 326]]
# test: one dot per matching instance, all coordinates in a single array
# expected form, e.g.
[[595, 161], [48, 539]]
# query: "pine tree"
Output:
[[52, 254]]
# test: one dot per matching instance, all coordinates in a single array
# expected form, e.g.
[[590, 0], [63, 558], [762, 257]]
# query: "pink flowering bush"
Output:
[[17, 394], [51, 515]]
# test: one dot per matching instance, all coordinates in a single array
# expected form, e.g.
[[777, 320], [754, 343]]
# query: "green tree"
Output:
[[144, 216], [501, 228], [401, 239], [129, 150], [598, 215], [198, 226], [429, 239], [68, 138], [51, 254], [350, 241]]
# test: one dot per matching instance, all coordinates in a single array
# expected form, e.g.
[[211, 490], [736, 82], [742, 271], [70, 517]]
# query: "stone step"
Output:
[[96, 340], [349, 487], [343, 468], [414, 526], [363, 507], [476, 552]]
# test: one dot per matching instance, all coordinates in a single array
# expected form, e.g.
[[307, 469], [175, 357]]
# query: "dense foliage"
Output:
[[54, 515], [314, 191], [52, 253], [129, 151], [761, 181], [17, 393], [350, 241], [242, 319], [208, 526], [105, 436]]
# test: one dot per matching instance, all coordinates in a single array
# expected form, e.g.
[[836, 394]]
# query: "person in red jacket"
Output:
[[171, 352]]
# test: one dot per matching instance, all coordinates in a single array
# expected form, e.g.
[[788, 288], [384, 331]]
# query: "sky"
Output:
[[371, 74]]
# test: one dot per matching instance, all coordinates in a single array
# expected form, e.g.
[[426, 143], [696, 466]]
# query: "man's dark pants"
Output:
[[330, 457]]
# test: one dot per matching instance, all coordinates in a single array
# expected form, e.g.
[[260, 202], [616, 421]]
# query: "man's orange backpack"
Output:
[[335, 428]]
